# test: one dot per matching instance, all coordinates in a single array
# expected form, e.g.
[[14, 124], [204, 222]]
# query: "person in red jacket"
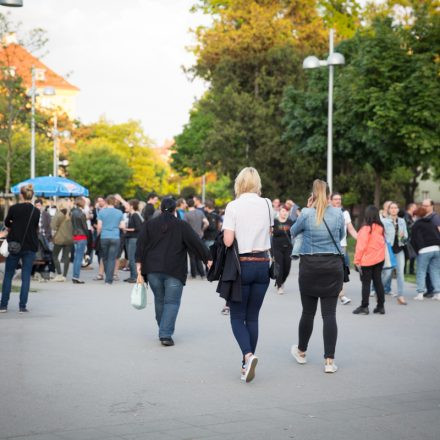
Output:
[[369, 258]]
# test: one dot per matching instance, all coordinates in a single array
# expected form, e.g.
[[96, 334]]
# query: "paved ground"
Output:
[[84, 365]]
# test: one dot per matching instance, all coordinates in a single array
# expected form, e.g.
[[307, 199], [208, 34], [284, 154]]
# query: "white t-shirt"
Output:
[[347, 221], [248, 217]]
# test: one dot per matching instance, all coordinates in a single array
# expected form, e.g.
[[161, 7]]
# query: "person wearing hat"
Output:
[[161, 259]]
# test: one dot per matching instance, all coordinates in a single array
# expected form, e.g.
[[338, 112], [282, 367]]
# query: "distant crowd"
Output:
[[252, 240]]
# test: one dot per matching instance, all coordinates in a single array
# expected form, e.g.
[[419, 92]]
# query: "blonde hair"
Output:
[[320, 194], [27, 191], [247, 181]]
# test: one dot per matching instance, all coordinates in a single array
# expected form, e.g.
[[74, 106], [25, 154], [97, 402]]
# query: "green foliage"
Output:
[[220, 191], [385, 111], [128, 142], [96, 166]]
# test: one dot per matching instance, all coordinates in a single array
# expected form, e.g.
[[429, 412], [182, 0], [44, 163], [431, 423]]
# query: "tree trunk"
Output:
[[377, 188]]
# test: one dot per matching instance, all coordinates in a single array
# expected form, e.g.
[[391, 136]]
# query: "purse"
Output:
[[390, 259], [138, 297], [341, 255], [14, 247], [274, 268]]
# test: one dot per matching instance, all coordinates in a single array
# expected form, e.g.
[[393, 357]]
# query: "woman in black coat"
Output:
[[161, 259]]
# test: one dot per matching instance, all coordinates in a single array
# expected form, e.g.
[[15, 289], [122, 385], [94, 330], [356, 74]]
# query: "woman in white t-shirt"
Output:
[[248, 219]]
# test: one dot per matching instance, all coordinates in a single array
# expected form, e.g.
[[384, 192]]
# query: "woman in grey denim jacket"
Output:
[[320, 271], [396, 234]]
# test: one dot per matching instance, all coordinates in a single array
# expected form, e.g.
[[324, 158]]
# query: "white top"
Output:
[[347, 221], [248, 217], [428, 249]]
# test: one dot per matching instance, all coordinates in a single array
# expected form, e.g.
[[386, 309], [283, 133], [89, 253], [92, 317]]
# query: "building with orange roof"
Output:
[[20, 62]]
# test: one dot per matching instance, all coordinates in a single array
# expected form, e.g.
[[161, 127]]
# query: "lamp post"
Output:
[[48, 91], [12, 3], [312, 62]]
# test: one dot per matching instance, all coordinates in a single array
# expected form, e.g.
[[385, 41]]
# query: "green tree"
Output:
[[385, 101], [14, 103], [97, 167]]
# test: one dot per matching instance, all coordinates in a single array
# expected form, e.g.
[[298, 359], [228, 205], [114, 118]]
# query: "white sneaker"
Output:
[[345, 300], [249, 369], [394, 294], [59, 278], [296, 354], [330, 368], [280, 290], [419, 297], [372, 294], [436, 296]]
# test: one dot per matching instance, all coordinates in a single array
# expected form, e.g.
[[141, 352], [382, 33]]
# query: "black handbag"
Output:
[[14, 247], [274, 268], [341, 255]]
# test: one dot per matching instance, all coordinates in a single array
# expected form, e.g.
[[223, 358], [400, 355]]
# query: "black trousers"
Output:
[[196, 265], [282, 257], [330, 330], [372, 273]]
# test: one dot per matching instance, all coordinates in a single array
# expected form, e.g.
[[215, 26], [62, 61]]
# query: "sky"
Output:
[[126, 57]]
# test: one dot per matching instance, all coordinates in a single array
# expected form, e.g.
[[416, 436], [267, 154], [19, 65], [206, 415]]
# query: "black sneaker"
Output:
[[23, 310], [361, 311], [167, 342], [77, 281], [130, 280], [380, 310], [3, 309]]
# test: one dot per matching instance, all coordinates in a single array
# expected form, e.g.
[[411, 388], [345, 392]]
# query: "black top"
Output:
[[424, 234], [281, 233], [396, 247], [17, 220], [163, 243], [148, 211], [134, 222], [212, 230]]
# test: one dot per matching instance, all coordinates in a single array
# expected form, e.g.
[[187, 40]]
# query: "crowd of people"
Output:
[[252, 240]]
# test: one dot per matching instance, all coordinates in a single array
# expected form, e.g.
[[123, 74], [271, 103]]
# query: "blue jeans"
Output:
[[167, 292], [109, 253], [400, 268], [27, 259], [131, 253], [428, 263], [244, 314], [80, 247]]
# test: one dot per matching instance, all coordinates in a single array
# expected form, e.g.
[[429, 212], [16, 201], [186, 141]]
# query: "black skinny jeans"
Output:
[[196, 265], [330, 330], [372, 273], [282, 256]]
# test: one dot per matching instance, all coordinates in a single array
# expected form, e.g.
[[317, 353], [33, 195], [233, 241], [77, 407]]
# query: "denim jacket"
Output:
[[390, 232], [316, 239]]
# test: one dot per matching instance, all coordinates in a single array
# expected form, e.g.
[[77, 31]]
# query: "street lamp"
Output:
[[48, 91], [334, 59], [12, 3]]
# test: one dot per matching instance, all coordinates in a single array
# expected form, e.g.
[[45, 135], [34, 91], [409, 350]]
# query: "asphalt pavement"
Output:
[[85, 365]]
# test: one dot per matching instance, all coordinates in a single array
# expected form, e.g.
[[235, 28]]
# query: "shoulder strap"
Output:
[[27, 226], [331, 235]]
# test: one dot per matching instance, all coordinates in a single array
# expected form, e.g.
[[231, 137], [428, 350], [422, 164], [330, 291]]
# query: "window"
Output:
[[40, 74]]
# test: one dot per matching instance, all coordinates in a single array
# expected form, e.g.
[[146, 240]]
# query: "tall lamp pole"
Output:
[[312, 62], [33, 94]]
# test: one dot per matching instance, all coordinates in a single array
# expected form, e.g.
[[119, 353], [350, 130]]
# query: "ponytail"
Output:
[[320, 195]]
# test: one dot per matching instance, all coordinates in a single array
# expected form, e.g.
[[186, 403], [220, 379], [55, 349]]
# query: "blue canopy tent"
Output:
[[50, 186]]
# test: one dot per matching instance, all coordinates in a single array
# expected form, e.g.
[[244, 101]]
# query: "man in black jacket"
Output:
[[161, 259]]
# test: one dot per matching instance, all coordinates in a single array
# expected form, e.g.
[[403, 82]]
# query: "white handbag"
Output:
[[4, 248], [138, 296]]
